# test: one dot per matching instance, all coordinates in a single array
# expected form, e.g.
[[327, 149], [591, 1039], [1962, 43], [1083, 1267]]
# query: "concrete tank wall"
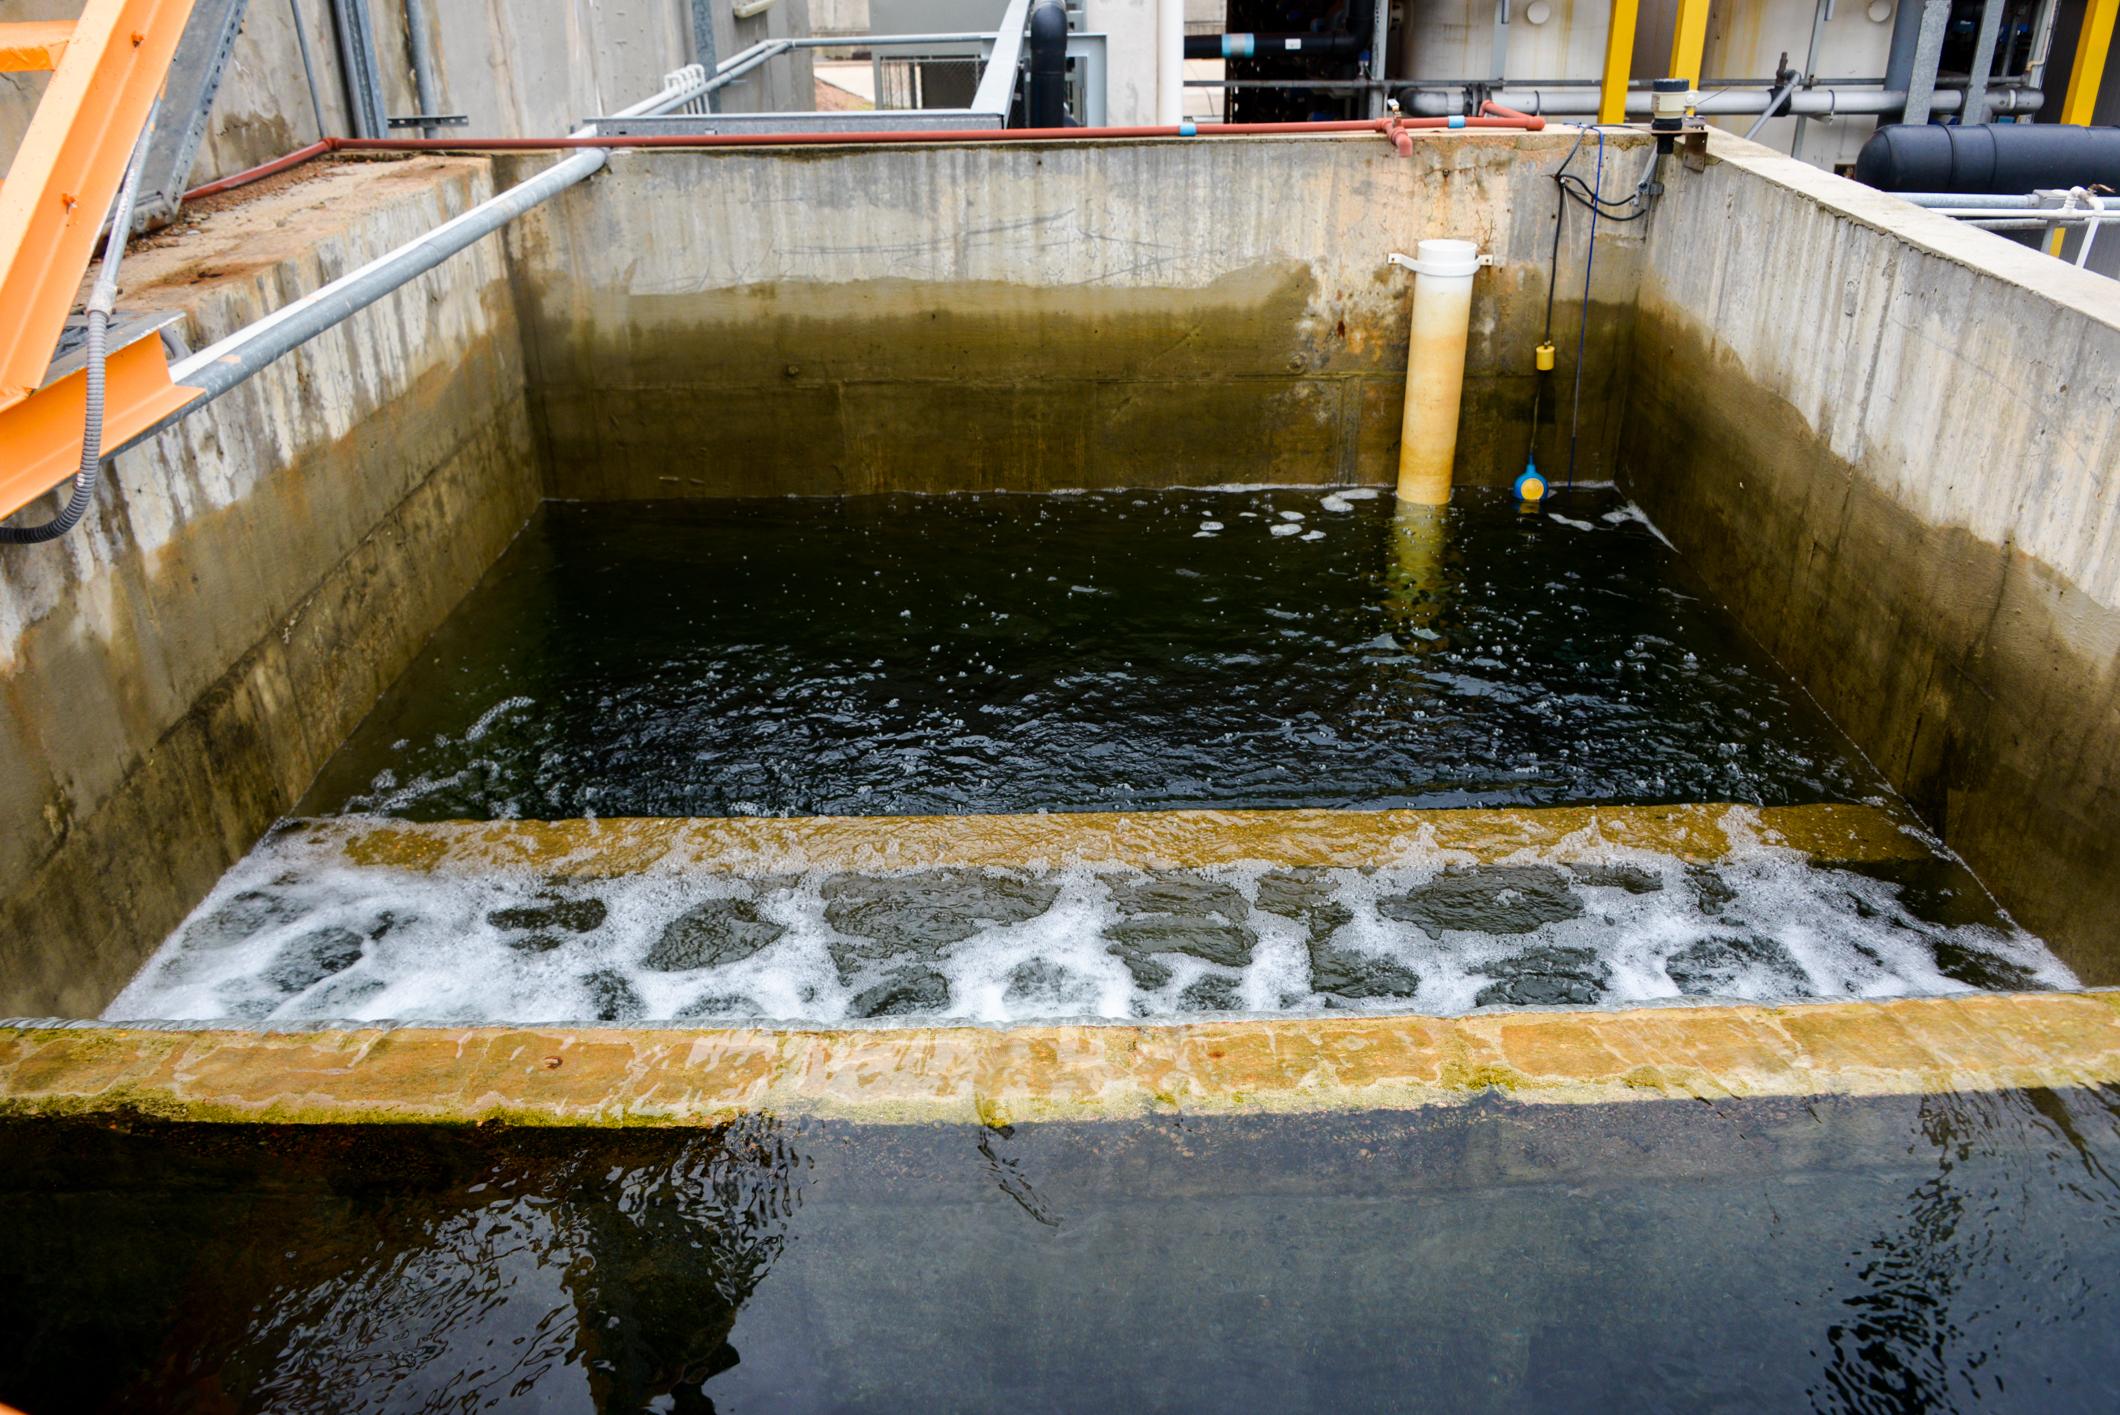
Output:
[[1888, 443], [1043, 316], [177, 669]]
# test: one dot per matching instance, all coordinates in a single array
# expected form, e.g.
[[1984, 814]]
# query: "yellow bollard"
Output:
[[1435, 367]]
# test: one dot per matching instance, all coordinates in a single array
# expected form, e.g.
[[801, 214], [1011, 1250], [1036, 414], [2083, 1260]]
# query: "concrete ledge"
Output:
[[596, 1077], [1188, 839]]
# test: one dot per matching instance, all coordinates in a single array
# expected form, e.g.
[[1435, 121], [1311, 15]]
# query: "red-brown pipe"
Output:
[[263, 170], [1492, 116]]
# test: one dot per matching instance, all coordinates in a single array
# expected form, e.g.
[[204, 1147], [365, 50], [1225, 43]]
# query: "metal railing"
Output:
[[998, 55], [2047, 211]]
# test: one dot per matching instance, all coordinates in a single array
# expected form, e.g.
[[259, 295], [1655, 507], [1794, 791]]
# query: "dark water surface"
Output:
[[1128, 651], [1916, 1253], [900, 654]]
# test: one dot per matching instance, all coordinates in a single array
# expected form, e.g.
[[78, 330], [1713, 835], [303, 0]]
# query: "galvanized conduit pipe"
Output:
[[222, 365], [423, 76], [219, 367], [309, 71], [1824, 100]]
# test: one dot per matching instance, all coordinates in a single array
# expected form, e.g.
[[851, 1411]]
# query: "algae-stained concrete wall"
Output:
[[1889, 443], [249, 582], [1043, 315]]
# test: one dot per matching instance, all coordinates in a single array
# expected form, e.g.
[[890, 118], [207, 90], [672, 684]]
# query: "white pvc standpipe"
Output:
[[1435, 367], [1170, 62]]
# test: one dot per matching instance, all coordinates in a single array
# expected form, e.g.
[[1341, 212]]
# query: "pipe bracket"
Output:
[[1420, 267]]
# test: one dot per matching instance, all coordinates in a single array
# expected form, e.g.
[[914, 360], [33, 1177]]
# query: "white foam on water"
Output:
[[1631, 512], [295, 934]]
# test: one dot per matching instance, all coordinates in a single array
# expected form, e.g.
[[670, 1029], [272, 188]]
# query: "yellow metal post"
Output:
[[2094, 41], [1619, 62], [1689, 40]]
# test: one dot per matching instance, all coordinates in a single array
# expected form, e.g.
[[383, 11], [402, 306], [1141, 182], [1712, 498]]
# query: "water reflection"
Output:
[[1419, 578], [477, 1275], [1968, 1274], [1876, 1254]]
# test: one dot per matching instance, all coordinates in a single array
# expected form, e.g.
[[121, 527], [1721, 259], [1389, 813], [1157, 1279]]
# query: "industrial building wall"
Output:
[[1887, 442]]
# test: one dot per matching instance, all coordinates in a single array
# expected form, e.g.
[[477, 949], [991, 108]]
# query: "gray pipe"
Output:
[[220, 367], [1995, 200], [1767, 113], [309, 71], [1822, 100], [423, 73], [364, 98], [247, 352]]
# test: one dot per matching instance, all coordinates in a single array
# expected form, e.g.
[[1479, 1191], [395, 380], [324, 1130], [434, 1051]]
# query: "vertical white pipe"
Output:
[[1435, 368], [1170, 62]]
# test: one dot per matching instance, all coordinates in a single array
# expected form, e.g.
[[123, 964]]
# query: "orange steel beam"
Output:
[[67, 171], [34, 46], [40, 437]]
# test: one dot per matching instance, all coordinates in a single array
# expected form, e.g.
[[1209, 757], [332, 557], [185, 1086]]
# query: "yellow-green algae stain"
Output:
[[639, 1077]]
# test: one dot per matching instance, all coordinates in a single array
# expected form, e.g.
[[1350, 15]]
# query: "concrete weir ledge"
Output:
[[591, 1076]]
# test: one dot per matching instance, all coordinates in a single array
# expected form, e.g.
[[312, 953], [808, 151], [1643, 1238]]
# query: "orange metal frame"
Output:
[[109, 66], [34, 46]]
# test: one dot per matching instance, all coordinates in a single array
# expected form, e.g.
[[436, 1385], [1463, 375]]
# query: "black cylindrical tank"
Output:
[[1988, 157]]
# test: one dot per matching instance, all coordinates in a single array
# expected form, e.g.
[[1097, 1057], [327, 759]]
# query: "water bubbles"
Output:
[[297, 934]]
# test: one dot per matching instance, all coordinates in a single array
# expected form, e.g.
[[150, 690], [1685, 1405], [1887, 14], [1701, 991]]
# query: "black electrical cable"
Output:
[[1591, 197]]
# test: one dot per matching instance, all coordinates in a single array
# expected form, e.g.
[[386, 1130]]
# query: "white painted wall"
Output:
[[1130, 50]]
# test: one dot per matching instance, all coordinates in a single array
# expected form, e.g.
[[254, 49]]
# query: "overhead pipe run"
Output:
[[1398, 130], [1252, 46], [1821, 100]]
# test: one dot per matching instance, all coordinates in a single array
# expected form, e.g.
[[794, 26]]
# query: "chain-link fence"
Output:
[[939, 81]]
